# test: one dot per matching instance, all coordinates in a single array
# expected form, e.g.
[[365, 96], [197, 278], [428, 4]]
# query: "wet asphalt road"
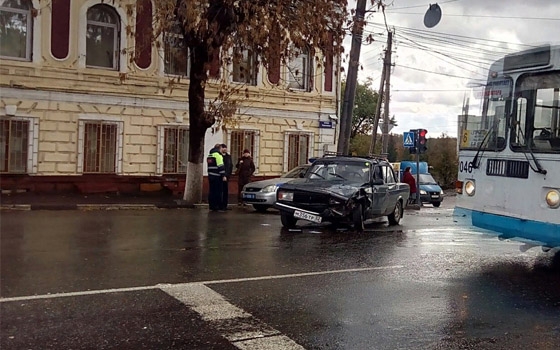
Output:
[[189, 279]]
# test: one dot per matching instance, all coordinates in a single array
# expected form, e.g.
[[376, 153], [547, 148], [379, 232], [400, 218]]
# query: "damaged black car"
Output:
[[347, 190]]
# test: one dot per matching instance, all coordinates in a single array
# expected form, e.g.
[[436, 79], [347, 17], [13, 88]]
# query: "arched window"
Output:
[[16, 23], [176, 54], [102, 37]]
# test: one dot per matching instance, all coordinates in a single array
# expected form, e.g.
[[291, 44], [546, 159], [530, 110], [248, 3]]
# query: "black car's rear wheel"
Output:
[[358, 218], [288, 220], [396, 215]]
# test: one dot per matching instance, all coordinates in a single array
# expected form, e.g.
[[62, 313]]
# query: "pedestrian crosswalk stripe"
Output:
[[214, 309]]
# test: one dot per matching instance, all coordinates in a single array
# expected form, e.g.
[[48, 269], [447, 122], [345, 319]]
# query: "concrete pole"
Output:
[[387, 95], [378, 108], [380, 97], [351, 81]]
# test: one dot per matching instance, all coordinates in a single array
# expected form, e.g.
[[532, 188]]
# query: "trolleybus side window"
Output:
[[537, 113]]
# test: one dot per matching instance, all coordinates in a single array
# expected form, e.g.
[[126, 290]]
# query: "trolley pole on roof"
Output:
[[351, 80]]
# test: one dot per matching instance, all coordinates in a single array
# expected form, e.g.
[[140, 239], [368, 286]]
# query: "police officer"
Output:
[[216, 177]]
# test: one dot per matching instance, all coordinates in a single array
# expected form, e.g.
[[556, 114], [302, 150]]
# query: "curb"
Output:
[[87, 207]]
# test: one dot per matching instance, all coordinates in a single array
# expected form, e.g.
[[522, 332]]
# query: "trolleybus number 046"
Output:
[[465, 167]]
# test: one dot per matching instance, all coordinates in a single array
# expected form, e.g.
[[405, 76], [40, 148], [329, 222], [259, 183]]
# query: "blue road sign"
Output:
[[408, 139]]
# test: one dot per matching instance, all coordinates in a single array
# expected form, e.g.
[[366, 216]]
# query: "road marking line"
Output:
[[161, 286], [304, 274], [75, 294], [216, 310]]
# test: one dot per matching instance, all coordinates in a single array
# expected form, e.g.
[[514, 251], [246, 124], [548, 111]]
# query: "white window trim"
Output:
[[33, 138], [310, 148], [82, 120], [82, 30], [256, 152], [161, 144]]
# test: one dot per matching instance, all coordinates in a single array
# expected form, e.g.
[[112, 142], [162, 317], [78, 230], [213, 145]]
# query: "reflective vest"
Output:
[[215, 162]]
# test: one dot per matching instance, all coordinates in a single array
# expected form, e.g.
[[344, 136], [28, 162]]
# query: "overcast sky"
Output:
[[470, 35]]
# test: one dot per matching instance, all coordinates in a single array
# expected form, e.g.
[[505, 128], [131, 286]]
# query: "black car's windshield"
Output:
[[296, 172], [347, 171], [427, 179]]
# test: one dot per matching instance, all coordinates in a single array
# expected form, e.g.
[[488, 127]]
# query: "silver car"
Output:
[[262, 194]]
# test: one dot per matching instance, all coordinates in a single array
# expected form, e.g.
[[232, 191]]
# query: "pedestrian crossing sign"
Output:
[[408, 139]]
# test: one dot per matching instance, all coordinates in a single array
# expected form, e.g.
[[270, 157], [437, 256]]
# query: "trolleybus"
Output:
[[509, 150]]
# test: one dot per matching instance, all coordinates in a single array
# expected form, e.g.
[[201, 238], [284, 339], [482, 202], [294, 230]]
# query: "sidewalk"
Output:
[[112, 201]]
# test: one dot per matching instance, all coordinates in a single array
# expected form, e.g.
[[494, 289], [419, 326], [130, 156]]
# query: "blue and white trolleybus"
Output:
[[509, 150]]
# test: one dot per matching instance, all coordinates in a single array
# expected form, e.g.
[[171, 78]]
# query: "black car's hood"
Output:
[[345, 189]]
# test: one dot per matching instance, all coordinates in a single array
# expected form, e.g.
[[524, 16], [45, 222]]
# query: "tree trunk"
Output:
[[198, 124]]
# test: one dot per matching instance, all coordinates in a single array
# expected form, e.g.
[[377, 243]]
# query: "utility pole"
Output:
[[378, 108], [385, 134], [351, 80], [380, 94]]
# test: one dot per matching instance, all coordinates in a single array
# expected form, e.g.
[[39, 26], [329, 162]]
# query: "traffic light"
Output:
[[422, 140]]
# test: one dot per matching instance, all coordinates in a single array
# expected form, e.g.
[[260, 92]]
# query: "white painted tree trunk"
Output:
[[193, 184]]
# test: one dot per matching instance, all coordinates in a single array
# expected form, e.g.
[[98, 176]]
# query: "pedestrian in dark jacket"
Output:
[[228, 167], [216, 177], [245, 169]]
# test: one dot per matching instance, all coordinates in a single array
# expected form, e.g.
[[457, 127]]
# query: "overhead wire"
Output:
[[486, 16]]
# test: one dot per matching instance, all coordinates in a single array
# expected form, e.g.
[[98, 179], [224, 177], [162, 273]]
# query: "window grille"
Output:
[[241, 140], [176, 150], [298, 150], [100, 147], [244, 67], [102, 37], [175, 53], [15, 29], [299, 71], [14, 140]]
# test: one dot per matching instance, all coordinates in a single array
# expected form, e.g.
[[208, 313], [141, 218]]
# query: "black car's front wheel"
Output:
[[288, 220], [358, 218], [396, 215], [260, 207], [436, 204]]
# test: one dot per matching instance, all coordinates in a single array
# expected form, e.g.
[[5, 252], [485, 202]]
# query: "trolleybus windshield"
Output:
[[483, 123]]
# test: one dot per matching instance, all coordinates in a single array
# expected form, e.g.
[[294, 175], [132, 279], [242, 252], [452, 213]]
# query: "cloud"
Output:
[[433, 66]]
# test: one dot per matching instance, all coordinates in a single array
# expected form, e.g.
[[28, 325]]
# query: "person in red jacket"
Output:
[[408, 178]]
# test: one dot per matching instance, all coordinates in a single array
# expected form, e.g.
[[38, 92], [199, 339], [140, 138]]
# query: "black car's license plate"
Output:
[[307, 216]]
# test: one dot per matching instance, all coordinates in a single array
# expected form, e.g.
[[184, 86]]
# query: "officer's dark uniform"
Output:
[[228, 166], [216, 173]]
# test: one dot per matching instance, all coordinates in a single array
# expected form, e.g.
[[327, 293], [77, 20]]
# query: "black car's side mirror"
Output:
[[377, 182]]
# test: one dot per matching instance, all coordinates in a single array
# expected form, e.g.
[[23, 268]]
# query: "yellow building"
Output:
[[84, 105]]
